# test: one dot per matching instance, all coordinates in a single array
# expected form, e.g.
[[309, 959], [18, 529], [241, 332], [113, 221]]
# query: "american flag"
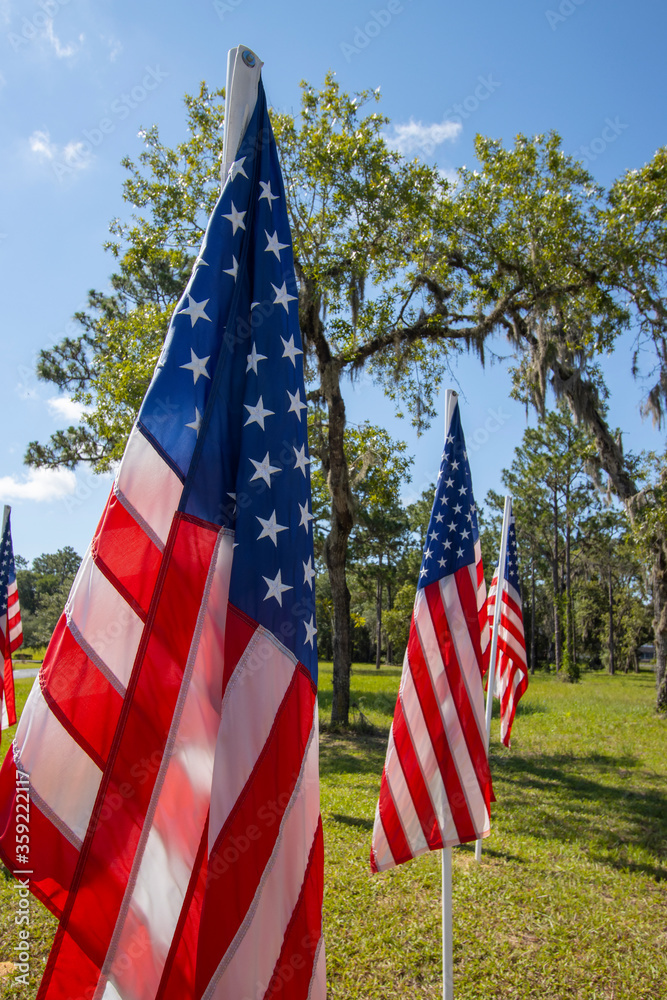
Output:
[[511, 675], [436, 785], [171, 741], [11, 629]]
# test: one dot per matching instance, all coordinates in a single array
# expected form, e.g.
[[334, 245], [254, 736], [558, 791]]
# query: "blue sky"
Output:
[[78, 80]]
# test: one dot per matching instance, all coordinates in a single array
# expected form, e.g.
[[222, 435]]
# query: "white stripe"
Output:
[[379, 844], [15, 632], [246, 970], [465, 655], [428, 761], [151, 487], [65, 778], [249, 709], [179, 804], [104, 619], [4, 718], [318, 981], [11, 589]]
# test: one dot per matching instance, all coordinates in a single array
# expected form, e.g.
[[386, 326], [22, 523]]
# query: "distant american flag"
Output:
[[11, 629], [511, 675], [436, 786], [171, 740]]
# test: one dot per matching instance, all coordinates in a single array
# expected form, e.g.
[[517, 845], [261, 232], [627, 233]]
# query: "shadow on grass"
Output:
[[365, 824], [579, 799]]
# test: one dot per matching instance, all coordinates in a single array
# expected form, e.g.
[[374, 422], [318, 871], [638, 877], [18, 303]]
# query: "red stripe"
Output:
[[238, 633], [474, 619], [79, 695], [52, 858], [414, 778], [8, 694], [126, 555], [127, 784], [432, 717], [251, 830], [391, 824], [294, 968], [515, 640]]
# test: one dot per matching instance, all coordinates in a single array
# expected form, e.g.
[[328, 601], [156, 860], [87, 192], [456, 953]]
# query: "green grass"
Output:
[[570, 901]]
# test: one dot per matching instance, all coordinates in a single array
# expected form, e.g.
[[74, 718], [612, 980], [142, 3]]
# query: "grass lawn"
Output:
[[570, 900]]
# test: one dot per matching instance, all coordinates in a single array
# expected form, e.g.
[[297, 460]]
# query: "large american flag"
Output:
[[11, 629], [511, 674], [436, 785], [171, 740]]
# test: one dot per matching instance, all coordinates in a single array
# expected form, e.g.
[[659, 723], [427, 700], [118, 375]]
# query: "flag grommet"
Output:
[[249, 58]]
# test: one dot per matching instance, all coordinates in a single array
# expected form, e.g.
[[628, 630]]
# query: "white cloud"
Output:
[[412, 137], [61, 51], [66, 408], [73, 154], [5, 11], [41, 485]]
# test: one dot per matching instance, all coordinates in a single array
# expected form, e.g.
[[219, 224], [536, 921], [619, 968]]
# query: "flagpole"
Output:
[[447, 916], [447, 924], [5, 515], [494, 635]]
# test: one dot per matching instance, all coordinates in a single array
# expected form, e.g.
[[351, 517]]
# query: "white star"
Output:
[[264, 470], [195, 310], [462, 491], [422, 573], [452, 526], [442, 562], [236, 219], [197, 366], [309, 572], [465, 534], [459, 553], [270, 528], [469, 516], [428, 554], [444, 499], [200, 262], [455, 465], [458, 508], [273, 245], [290, 350], [296, 406], [439, 518], [276, 588], [300, 460], [234, 269], [196, 423], [237, 168], [311, 632], [254, 358], [282, 296], [306, 516], [266, 192], [450, 439], [256, 414], [434, 536], [449, 482]]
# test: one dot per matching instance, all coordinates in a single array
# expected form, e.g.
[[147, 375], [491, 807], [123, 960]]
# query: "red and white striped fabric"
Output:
[[511, 674], [11, 629], [436, 785], [170, 743]]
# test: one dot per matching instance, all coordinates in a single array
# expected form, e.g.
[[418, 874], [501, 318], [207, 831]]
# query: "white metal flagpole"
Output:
[[447, 934], [507, 513]]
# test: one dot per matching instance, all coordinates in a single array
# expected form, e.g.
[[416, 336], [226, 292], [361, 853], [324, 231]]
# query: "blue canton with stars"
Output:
[[7, 569], [226, 407], [452, 530], [511, 558]]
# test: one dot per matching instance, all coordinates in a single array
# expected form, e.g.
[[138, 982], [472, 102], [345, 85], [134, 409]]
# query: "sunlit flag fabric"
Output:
[[511, 676], [436, 785], [171, 741], [11, 629]]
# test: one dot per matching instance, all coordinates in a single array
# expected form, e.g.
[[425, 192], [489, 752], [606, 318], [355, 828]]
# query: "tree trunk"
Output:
[[533, 636], [660, 626], [556, 587], [612, 668], [378, 618], [569, 624]]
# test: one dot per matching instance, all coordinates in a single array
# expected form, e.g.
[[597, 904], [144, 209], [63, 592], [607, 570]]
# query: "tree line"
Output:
[[398, 269]]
